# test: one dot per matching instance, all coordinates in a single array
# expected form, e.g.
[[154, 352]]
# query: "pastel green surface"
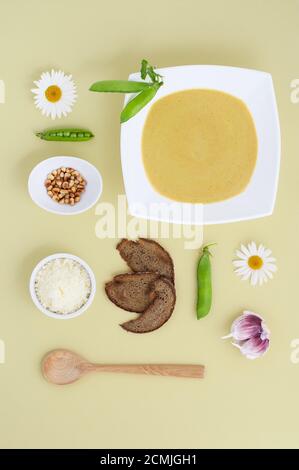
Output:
[[240, 403]]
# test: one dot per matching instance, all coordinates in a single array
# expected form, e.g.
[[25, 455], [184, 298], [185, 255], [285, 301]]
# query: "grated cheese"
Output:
[[62, 285]]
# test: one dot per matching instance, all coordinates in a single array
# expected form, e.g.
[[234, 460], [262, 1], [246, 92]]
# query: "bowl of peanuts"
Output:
[[65, 185]]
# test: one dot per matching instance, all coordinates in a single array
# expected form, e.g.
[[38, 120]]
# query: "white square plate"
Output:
[[256, 90]]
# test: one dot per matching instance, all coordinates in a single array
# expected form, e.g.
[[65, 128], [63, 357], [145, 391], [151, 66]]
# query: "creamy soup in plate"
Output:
[[199, 146]]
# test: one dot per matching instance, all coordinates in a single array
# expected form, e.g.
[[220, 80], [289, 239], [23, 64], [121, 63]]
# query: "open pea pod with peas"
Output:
[[66, 135]]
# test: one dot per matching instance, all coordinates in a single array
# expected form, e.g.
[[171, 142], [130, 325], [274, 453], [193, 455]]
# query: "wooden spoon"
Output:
[[63, 367]]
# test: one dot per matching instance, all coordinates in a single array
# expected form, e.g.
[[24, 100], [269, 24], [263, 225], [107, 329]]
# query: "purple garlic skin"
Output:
[[250, 334]]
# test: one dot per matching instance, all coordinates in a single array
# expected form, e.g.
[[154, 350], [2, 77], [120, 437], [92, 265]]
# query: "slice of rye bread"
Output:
[[146, 255], [158, 312], [131, 291]]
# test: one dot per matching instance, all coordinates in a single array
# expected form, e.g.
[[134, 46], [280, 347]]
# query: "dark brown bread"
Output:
[[159, 310], [146, 255], [131, 291]]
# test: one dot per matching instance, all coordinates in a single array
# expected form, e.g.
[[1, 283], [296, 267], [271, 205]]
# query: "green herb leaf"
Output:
[[151, 73], [119, 86], [148, 70], [143, 70]]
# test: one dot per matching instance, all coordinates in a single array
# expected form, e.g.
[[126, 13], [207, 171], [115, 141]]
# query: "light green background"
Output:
[[240, 403]]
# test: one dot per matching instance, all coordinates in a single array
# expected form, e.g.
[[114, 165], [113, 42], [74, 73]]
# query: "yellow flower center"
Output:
[[255, 262], [53, 93]]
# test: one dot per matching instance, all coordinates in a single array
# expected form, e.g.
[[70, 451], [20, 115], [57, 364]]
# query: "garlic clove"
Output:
[[254, 347], [244, 327]]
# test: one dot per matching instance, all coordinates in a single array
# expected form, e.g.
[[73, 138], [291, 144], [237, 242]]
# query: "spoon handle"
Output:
[[174, 370]]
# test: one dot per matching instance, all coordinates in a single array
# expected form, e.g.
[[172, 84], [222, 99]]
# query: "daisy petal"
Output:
[[246, 275], [241, 255], [245, 250], [270, 259], [240, 262], [271, 267], [254, 278], [267, 252], [253, 248], [268, 273], [242, 270], [262, 278]]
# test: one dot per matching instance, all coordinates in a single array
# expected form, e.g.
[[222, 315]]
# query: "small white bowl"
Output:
[[47, 312], [39, 194]]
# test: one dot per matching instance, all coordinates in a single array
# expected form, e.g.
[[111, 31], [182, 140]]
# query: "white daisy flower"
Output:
[[55, 94], [254, 263]]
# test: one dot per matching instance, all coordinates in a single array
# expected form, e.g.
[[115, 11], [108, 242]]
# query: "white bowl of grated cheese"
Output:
[[62, 286]]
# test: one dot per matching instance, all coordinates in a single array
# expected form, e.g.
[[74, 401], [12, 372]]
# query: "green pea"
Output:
[[204, 283], [66, 135], [137, 103], [119, 86]]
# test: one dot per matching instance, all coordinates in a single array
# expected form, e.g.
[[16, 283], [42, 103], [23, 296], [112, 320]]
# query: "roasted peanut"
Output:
[[65, 185]]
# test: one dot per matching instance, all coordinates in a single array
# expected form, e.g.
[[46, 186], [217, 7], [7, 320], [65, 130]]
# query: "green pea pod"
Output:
[[204, 283], [66, 135], [119, 86], [137, 103]]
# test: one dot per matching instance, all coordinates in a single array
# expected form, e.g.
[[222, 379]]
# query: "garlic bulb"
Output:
[[250, 335]]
